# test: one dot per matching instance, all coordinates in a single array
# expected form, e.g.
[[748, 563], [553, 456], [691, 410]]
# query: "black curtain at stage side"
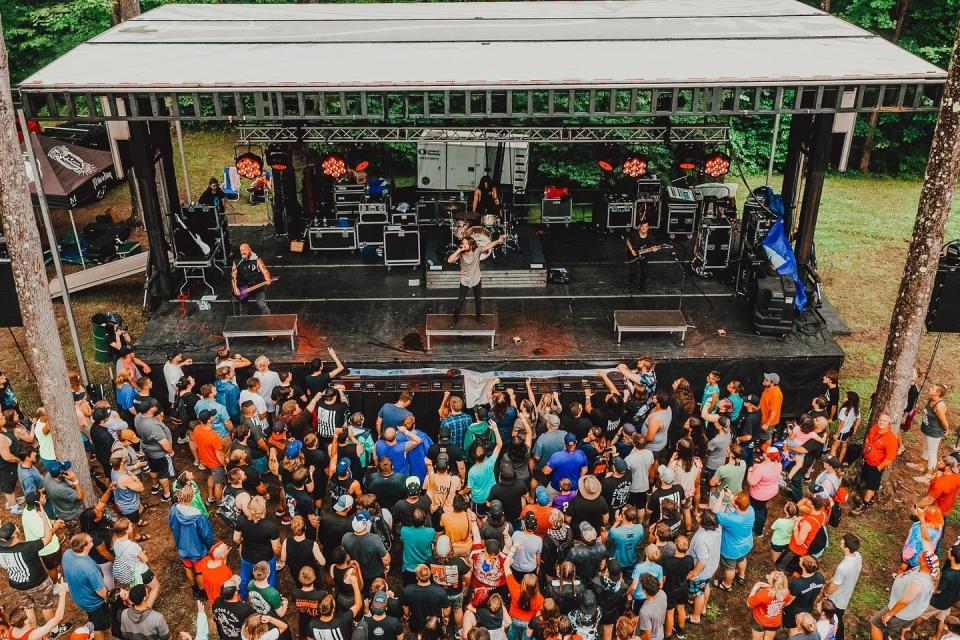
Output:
[[800, 380]]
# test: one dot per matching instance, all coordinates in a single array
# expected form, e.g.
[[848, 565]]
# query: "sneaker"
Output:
[[155, 490], [211, 501], [924, 480], [183, 440], [680, 633], [199, 465], [15, 510], [59, 630], [915, 466], [165, 498], [285, 519], [21, 499], [280, 513]]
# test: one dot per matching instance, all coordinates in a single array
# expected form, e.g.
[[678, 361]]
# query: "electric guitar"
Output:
[[645, 250], [204, 247], [246, 291]]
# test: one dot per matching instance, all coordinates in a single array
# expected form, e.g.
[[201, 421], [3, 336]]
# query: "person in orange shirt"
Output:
[[767, 599], [944, 486], [210, 453], [879, 452], [213, 570], [771, 402]]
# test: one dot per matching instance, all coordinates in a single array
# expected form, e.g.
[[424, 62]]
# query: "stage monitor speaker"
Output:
[[10, 310], [285, 206], [943, 314], [774, 305]]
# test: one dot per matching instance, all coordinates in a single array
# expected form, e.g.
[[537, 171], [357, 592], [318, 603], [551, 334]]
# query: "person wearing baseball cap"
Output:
[[445, 446], [570, 463], [366, 548], [771, 402], [750, 428], [402, 510], [945, 484], [666, 489], [453, 578], [343, 483], [64, 491], [336, 524]]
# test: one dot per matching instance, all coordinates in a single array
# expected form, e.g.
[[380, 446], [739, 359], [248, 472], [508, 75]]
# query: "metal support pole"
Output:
[[773, 148], [54, 252], [76, 238], [183, 161]]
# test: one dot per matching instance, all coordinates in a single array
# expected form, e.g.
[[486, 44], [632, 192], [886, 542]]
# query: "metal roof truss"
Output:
[[387, 106]]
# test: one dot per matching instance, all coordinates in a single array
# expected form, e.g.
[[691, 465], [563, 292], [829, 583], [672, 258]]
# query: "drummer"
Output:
[[486, 199]]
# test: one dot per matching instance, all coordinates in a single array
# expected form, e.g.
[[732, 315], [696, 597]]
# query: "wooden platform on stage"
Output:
[[648, 321], [442, 324], [271, 326]]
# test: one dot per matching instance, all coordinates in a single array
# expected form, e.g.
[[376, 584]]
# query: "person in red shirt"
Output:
[[210, 453], [771, 402], [879, 452], [944, 486], [767, 599], [213, 570], [525, 597], [813, 515]]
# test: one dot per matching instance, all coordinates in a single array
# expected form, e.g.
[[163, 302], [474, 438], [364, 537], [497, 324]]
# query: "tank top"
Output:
[[127, 501], [300, 555], [486, 203], [660, 439], [344, 592], [14, 449], [22, 636], [339, 487], [932, 426], [919, 604], [248, 273], [45, 442]]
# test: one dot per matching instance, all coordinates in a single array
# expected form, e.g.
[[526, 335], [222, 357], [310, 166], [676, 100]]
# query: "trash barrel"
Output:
[[103, 325]]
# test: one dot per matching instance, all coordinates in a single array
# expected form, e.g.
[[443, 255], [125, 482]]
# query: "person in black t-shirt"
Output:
[[454, 453], [306, 599], [751, 430], [676, 568], [402, 510], [331, 413], [230, 612], [378, 624], [947, 592], [574, 420], [332, 624], [637, 240], [424, 600], [509, 491], [615, 486], [300, 502], [805, 590], [666, 490], [318, 380], [259, 540], [25, 570]]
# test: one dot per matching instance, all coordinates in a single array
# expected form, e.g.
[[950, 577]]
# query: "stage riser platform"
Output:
[[509, 279]]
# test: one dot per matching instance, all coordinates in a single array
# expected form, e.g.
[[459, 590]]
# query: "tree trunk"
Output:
[[825, 5], [123, 10], [900, 18], [33, 292], [906, 324]]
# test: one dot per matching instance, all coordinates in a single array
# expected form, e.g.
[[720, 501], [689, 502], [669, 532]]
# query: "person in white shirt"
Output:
[[640, 461], [840, 588], [252, 393], [172, 372], [268, 380]]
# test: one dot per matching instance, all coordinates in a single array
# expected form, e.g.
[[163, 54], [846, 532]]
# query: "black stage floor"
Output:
[[375, 318]]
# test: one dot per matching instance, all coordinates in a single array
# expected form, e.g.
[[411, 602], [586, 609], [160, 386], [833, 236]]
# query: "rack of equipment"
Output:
[[682, 207], [620, 211], [648, 200], [712, 245]]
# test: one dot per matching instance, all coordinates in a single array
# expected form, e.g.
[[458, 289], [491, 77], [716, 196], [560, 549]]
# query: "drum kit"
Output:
[[492, 227]]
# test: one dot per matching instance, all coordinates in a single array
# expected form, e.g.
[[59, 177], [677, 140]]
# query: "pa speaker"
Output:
[[774, 305], [943, 314], [10, 310]]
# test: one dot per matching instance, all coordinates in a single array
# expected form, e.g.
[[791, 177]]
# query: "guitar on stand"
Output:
[[245, 292]]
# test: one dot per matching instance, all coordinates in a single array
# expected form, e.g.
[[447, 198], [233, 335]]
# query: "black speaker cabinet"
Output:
[[285, 206], [943, 314], [774, 305], [10, 309], [401, 246]]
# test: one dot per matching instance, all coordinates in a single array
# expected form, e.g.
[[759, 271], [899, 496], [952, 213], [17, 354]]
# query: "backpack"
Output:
[[819, 542], [486, 440], [382, 529], [835, 513], [587, 627], [227, 510]]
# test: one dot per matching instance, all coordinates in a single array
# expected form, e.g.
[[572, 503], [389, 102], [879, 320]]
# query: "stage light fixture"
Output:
[[362, 165], [635, 167], [717, 164], [604, 165], [334, 166], [249, 165]]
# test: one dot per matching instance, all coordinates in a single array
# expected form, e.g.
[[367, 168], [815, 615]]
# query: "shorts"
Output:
[[933, 612], [480, 509], [8, 478], [779, 548], [843, 436], [188, 563], [147, 576], [52, 561], [163, 467], [455, 600], [133, 517], [871, 476], [639, 500], [756, 626], [895, 624], [100, 618], [677, 598], [729, 564], [39, 597], [219, 475], [789, 619], [697, 587]]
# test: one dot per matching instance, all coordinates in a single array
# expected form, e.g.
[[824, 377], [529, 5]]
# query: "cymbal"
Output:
[[454, 206]]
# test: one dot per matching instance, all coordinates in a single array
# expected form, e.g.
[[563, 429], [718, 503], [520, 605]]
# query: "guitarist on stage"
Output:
[[637, 240], [249, 272]]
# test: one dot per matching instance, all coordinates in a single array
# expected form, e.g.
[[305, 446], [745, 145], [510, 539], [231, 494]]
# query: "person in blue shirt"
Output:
[[395, 444], [736, 537], [86, 583], [735, 396], [480, 478], [393, 415], [228, 393], [623, 537], [635, 593], [222, 423], [416, 457], [570, 463], [125, 394], [711, 393]]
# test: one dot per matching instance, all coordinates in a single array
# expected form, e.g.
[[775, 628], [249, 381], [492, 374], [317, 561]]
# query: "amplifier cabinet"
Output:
[[620, 215], [370, 233], [401, 246], [556, 210], [712, 249], [373, 216], [405, 219], [648, 208], [332, 238], [943, 314]]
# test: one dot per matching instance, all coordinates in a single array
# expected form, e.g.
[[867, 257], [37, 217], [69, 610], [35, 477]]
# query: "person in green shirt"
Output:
[[265, 599], [417, 545], [479, 434], [33, 525], [186, 479], [480, 478], [782, 529], [731, 474]]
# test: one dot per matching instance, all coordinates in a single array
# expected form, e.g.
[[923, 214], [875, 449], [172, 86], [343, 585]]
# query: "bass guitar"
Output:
[[646, 250], [246, 291]]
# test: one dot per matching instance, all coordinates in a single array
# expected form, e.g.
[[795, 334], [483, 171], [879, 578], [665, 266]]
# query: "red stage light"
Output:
[[635, 167], [249, 165], [334, 166], [279, 167], [362, 166], [606, 166], [716, 165]]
